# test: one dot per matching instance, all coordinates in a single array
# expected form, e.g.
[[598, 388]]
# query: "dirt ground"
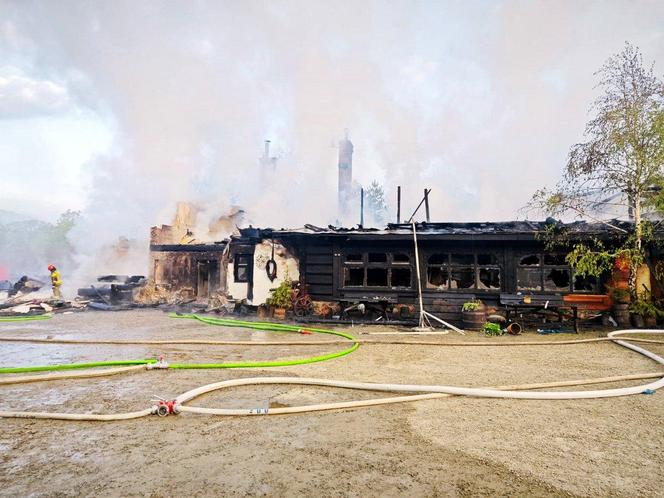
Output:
[[445, 447]]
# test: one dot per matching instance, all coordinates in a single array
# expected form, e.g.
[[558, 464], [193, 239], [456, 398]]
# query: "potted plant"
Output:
[[473, 315], [620, 298], [281, 299], [645, 311]]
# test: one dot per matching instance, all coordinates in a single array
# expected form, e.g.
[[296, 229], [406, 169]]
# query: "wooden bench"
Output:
[[536, 303]]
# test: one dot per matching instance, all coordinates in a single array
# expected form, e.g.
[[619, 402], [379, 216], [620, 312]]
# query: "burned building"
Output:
[[457, 262]]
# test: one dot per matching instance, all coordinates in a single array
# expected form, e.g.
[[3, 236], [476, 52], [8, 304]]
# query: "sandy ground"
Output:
[[446, 447]]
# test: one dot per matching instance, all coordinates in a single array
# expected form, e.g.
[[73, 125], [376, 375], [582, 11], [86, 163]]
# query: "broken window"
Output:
[[585, 283], [463, 271], [241, 267], [489, 279], [438, 274], [462, 278], [376, 277], [557, 279], [400, 277], [437, 277], [529, 279], [549, 272], [354, 277]]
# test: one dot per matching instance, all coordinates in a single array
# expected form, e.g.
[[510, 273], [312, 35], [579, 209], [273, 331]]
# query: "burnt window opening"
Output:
[[375, 269], [489, 279], [548, 272], [401, 277], [438, 277], [557, 279], [241, 267], [529, 279], [354, 277], [585, 283], [377, 257], [464, 271], [400, 258], [530, 260], [462, 278], [376, 277]]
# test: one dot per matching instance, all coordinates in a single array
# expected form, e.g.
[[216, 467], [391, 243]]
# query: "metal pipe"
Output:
[[398, 204], [361, 207], [426, 203]]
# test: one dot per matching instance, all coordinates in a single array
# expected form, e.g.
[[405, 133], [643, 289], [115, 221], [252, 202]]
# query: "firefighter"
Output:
[[56, 281]]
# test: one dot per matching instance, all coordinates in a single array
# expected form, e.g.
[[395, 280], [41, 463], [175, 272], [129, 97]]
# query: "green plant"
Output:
[[618, 295], [472, 305], [646, 306], [282, 296], [493, 329]]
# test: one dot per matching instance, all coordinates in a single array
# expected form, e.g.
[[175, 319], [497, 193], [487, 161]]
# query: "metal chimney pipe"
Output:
[[398, 204], [361, 207], [426, 203], [267, 149]]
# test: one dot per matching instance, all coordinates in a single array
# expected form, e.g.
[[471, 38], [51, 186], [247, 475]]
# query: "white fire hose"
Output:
[[426, 392]]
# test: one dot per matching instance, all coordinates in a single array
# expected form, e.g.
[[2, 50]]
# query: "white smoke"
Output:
[[479, 102]]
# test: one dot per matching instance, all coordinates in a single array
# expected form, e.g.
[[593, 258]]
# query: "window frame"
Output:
[[366, 265], [237, 265], [542, 268], [449, 266]]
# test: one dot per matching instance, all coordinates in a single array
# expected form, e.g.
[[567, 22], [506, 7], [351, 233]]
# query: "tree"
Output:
[[375, 202], [620, 164]]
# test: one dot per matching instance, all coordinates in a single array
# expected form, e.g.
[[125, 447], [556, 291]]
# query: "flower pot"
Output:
[[621, 314], [473, 320], [280, 313], [650, 322]]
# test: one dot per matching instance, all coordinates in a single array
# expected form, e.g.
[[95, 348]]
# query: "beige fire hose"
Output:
[[428, 392]]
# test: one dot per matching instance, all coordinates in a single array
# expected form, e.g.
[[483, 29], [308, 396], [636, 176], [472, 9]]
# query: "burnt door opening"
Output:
[[208, 278]]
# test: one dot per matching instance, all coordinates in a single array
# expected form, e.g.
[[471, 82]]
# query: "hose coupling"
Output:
[[160, 364], [164, 408]]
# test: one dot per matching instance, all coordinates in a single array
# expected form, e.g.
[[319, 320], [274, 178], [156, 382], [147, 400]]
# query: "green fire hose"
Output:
[[264, 326], [23, 318]]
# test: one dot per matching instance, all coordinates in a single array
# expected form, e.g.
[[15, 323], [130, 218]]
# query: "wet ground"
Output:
[[446, 447]]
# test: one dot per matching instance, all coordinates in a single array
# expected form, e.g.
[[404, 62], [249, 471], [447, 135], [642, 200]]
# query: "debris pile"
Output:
[[112, 291], [29, 296]]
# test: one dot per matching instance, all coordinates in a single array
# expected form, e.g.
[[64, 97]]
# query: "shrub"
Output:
[[282, 296], [473, 305]]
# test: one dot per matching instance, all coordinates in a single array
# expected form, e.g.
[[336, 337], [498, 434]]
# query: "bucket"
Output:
[[621, 314], [473, 320]]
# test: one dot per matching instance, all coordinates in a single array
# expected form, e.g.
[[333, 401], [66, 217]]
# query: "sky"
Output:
[[120, 109]]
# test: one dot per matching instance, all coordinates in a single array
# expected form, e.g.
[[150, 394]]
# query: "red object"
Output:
[[51, 267], [169, 405], [305, 332]]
